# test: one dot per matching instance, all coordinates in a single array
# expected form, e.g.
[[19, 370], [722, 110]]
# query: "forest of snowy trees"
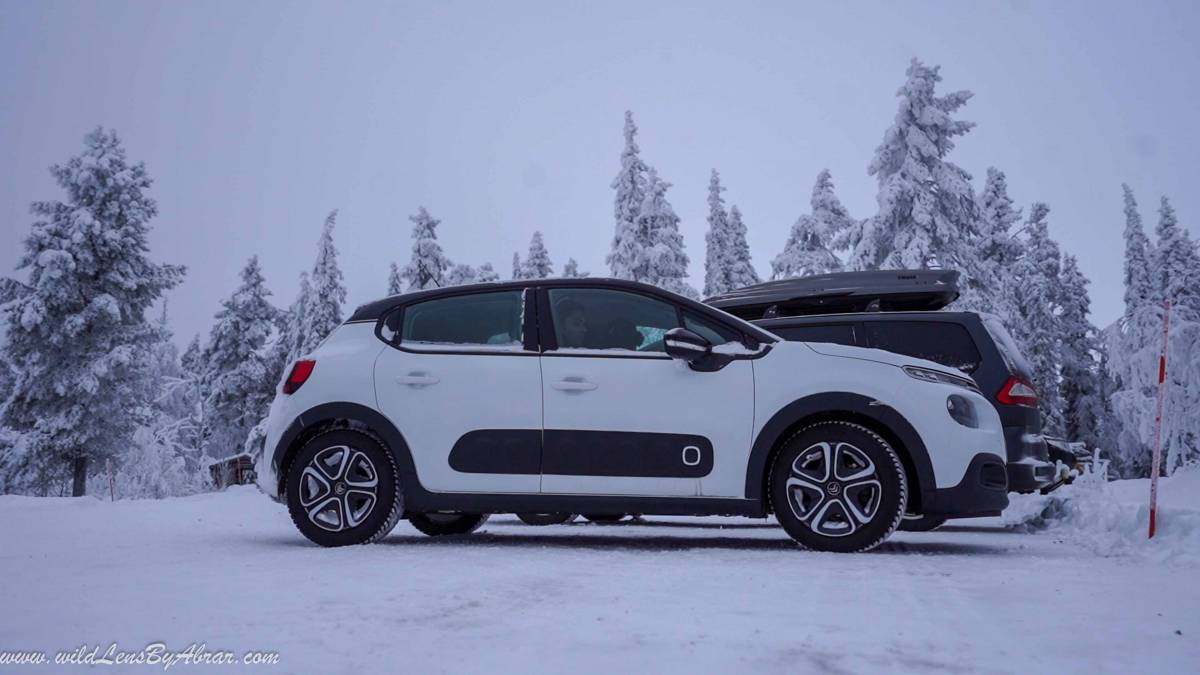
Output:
[[92, 389]]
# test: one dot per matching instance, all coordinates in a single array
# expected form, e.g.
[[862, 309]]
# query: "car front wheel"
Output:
[[838, 486], [438, 524]]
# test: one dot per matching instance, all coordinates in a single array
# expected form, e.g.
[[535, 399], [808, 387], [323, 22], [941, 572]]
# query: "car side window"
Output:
[[477, 320], [836, 333], [939, 341], [600, 318]]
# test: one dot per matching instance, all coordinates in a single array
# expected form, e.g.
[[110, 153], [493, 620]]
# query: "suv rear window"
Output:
[[837, 333], [941, 342]]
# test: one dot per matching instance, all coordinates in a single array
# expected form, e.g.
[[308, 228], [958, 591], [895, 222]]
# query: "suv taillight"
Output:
[[1017, 392], [299, 375]]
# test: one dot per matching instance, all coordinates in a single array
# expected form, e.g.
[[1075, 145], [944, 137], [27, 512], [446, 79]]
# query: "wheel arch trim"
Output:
[[873, 414]]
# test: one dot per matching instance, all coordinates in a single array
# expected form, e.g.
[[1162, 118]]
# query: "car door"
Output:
[[623, 418], [463, 386]]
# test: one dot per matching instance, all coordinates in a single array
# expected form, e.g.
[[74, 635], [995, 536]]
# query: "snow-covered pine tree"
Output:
[[1133, 346], [1176, 267], [537, 263], [571, 270], [630, 185], [428, 266], [323, 307], [486, 274], [662, 262], [1036, 324], [995, 249], [741, 267], [80, 332], [807, 250], [461, 274], [926, 204], [236, 382], [517, 271], [716, 241], [395, 283], [1079, 383]]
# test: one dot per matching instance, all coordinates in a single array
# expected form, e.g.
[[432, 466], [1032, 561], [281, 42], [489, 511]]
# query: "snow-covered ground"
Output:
[[709, 595]]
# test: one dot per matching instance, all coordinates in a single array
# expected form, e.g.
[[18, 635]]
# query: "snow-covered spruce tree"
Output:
[[326, 293], [571, 270], [1133, 346], [517, 271], [1037, 302], [995, 249], [236, 383], [395, 283], [461, 274], [662, 262], [716, 241], [926, 205], [428, 266], [807, 250], [741, 267], [537, 263], [630, 185], [486, 274], [1176, 269], [80, 334], [1079, 383]]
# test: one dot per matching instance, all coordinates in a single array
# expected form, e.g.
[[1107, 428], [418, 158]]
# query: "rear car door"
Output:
[[463, 385], [623, 418]]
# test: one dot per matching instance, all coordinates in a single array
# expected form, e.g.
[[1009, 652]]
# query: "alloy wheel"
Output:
[[833, 488], [339, 488]]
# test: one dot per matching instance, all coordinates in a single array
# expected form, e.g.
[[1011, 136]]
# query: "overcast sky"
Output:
[[256, 119]]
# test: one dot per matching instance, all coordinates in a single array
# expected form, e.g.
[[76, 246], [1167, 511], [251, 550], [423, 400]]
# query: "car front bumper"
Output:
[[983, 491]]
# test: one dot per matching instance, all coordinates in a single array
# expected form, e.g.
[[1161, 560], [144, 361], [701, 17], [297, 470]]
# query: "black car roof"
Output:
[[373, 310]]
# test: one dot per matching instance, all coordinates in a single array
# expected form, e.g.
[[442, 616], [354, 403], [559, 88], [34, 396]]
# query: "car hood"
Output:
[[878, 356]]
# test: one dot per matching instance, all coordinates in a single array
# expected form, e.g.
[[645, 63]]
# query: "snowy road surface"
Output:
[[674, 595]]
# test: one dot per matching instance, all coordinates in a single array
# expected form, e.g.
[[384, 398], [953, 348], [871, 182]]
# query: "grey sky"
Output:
[[256, 119]]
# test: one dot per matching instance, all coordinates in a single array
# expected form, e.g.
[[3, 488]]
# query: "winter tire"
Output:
[[911, 523], [342, 489], [546, 518], [838, 486], [604, 518], [438, 524]]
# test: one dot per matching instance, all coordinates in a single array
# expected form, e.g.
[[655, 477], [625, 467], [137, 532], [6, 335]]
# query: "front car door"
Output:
[[623, 418], [462, 383]]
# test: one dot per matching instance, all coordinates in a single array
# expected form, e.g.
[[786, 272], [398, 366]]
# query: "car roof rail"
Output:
[[843, 292]]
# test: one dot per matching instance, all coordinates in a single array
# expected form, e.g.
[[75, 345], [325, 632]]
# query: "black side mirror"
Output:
[[683, 344]]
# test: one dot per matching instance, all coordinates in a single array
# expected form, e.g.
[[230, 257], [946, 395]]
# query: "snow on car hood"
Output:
[[878, 356]]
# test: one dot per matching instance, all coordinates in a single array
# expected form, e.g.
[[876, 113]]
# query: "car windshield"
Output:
[[1017, 365]]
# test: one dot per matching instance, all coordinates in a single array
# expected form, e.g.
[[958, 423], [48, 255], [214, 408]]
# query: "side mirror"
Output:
[[683, 344]]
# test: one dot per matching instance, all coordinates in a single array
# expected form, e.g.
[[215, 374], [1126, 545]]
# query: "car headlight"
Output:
[[929, 375]]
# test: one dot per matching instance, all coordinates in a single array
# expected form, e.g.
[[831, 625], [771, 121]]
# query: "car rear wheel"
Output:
[[545, 518], [913, 523], [838, 486], [438, 524], [342, 489]]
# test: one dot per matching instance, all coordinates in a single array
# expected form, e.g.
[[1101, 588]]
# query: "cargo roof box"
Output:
[[841, 292]]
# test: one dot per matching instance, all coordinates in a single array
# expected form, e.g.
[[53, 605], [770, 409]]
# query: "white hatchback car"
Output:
[[604, 396]]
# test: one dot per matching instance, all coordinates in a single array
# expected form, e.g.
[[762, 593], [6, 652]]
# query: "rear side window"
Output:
[[1009, 351], [946, 343], [480, 319], [837, 333]]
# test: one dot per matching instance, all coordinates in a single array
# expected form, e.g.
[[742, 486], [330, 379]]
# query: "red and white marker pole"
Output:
[[1156, 462]]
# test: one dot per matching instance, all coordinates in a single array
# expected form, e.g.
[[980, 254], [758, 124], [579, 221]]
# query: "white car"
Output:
[[603, 396]]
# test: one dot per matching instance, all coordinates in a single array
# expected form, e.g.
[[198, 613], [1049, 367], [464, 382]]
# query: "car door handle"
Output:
[[417, 379], [574, 385]]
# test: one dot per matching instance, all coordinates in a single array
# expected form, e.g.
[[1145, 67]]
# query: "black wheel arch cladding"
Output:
[[846, 406]]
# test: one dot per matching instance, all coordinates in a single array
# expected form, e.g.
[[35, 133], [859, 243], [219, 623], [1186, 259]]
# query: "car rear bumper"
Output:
[[1029, 466], [1029, 475], [983, 491]]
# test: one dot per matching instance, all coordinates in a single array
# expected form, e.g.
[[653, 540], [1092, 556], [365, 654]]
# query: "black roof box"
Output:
[[842, 292]]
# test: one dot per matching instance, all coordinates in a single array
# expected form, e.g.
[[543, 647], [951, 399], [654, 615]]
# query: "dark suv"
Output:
[[896, 311]]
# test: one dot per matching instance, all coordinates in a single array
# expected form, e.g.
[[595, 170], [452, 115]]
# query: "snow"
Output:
[[710, 595]]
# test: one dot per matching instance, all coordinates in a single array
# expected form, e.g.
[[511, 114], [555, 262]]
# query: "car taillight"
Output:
[[1018, 392], [299, 375]]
